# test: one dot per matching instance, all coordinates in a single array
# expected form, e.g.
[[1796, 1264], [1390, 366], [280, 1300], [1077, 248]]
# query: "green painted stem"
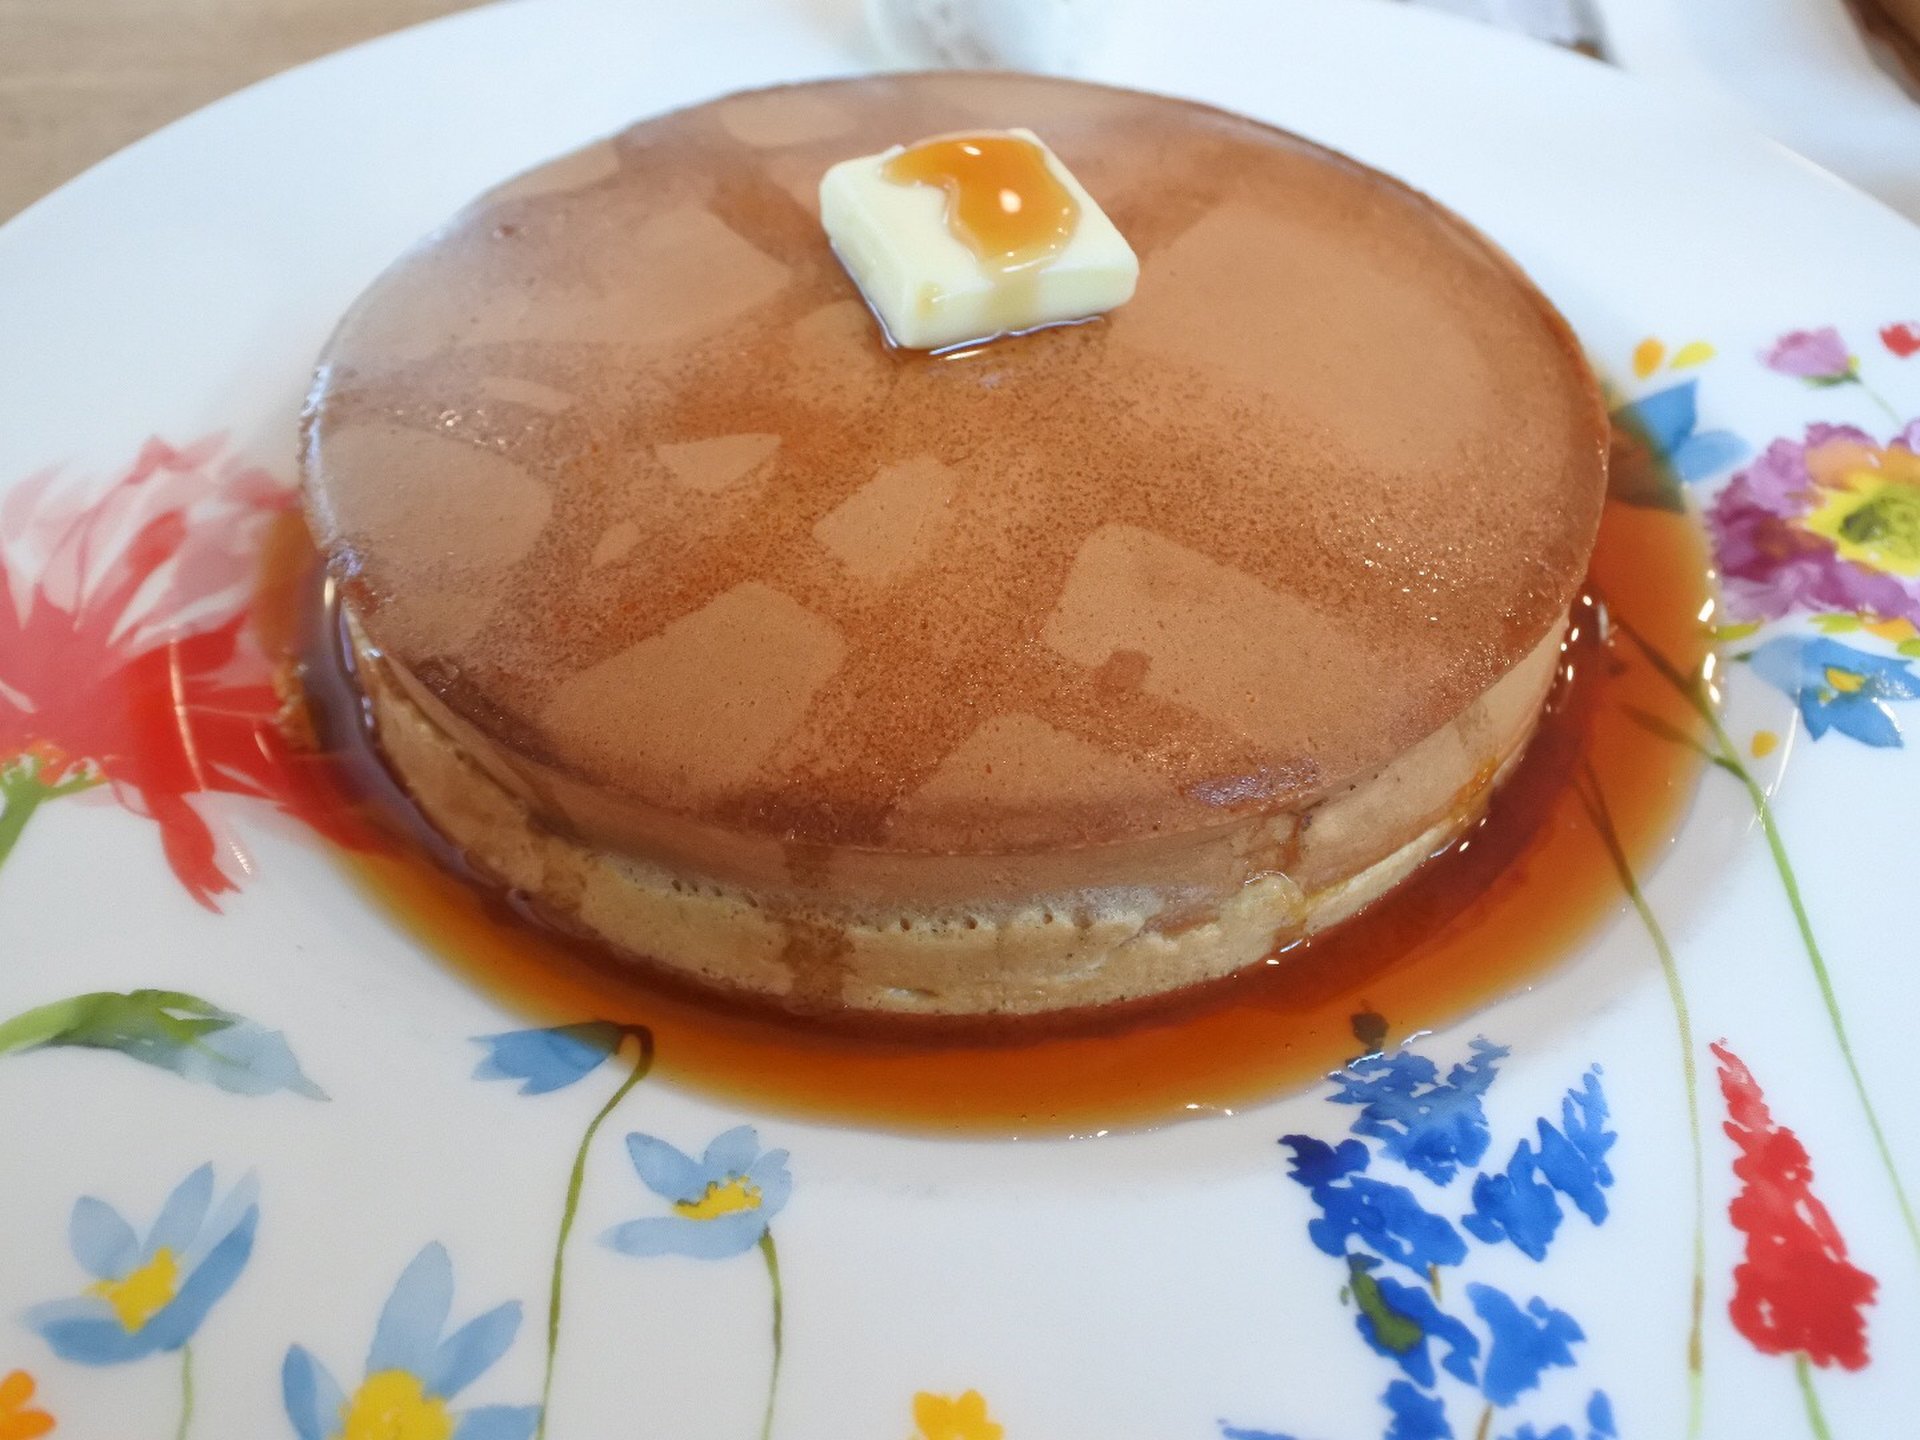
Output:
[[18, 800], [1880, 400], [1729, 760], [1825, 981], [773, 1277], [1803, 1372], [186, 1392], [23, 794], [643, 1062], [1595, 801]]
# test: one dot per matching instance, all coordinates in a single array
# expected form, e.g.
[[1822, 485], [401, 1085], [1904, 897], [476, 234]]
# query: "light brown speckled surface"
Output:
[[618, 467]]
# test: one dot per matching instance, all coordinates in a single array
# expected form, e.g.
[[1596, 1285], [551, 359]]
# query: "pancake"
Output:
[[1068, 669]]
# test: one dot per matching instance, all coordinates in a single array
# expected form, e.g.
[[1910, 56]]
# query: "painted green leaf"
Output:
[[1638, 473], [1654, 725], [169, 1030], [1392, 1329]]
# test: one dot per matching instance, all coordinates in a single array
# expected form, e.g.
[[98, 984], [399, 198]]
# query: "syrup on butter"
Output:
[[1003, 202], [967, 237]]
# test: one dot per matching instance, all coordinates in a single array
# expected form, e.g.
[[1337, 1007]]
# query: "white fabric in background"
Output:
[[1563, 22], [1053, 35]]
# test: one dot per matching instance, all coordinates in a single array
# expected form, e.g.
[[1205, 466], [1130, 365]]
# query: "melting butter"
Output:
[[967, 237]]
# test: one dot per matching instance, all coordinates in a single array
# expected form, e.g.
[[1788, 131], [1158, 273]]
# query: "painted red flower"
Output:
[[1796, 1292], [125, 655], [1903, 340]]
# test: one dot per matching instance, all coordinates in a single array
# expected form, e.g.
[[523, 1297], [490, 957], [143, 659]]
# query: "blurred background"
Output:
[[1837, 80]]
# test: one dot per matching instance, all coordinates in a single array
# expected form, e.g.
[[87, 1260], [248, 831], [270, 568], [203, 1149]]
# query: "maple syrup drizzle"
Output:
[[1492, 914], [1003, 202]]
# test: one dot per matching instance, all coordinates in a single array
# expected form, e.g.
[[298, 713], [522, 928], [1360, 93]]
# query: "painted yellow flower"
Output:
[[142, 1292], [394, 1405], [1829, 525], [1649, 353], [963, 1417], [1868, 505], [19, 1420], [719, 1199]]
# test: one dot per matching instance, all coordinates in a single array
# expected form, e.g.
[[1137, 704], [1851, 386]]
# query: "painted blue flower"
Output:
[[412, 1372], [1416, 1415], [150, 1295], [241, 1057], [1599, 1424], [1838, 687], [1385, 1218], [1435, 1126], [1412, 1415], [1430, 1125], [549, 1059], [1521, 1205], [1574, 1157], [1665, 421], [1526, 1343], [721, 1202]]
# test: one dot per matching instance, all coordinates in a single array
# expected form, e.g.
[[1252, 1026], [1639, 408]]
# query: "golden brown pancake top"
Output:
[[621, 468]]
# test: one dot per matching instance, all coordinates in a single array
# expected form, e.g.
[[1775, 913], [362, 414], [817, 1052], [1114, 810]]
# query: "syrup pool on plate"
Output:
[[1494, 913]]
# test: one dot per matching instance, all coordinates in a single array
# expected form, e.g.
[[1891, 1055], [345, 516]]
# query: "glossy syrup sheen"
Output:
[[1491, 915], [1003, 202], [620, 455]]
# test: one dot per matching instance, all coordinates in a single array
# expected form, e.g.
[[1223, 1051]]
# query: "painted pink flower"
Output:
[[1819, 355], [1795, 1292], [126, 660], [1902, 340], [1829, 523]]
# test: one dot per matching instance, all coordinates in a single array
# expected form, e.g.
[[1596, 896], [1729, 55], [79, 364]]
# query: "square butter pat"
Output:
[[906, 244]]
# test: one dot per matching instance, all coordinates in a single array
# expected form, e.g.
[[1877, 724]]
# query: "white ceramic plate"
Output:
[[1477, 1257], [1799, 70]]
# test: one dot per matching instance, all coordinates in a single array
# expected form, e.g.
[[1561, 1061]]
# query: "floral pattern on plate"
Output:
[[129, 669], [126, 662], [414, 1369], [1468, 1364], [1795, 1292], [149, 1295], [20, 1417], [954, 1417]]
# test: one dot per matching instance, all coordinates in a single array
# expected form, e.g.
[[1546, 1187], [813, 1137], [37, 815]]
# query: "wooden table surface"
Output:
[[81, 78]]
